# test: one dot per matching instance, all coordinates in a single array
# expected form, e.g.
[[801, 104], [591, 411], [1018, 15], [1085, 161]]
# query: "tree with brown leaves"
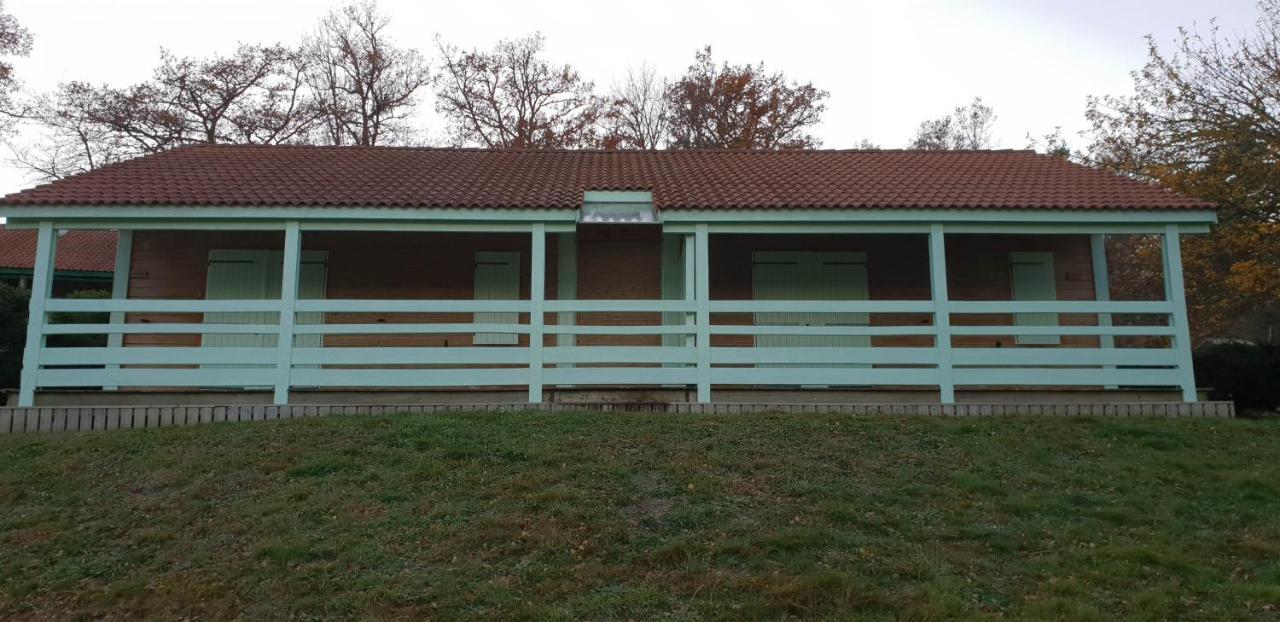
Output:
[[741, 107], [510, 97], [1204, 120]]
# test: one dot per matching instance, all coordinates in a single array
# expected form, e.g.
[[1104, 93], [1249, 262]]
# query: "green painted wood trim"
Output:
[[1060, 306], [821, 306], [507, 355], [138, 305], [392, 328], [116, 213], [1175, 293], [942, 311], [566, 283], [824, 355], [1064, 356], [290, 270], [617, 196], [623, 306], [931, 216], [580, 376], [1067, 377], [41, 291], [120, 286], [114, 356], [588, 329], [1101, 286], [831, 377], [475, 377], [822, 331], [331, 305], [78, 275], [1128, 331], [537, 311], [620, 354], [132, 377], [702, 272], [690, 287]]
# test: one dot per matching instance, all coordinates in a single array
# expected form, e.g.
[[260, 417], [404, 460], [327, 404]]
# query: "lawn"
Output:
[[596, 516]]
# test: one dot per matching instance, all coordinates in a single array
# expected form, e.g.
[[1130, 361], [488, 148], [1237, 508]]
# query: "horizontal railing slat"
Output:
[[134, 328], [820, 376], [1066, 377], [330, 305], [619, 354], [410, 377], [142, 305], [151, 377], [1063, 356], [158, 356], [619, 375], [822, 306], [619, 306], [1131, 331], [836, 331], [1059, 306], [816, 355], [391, 328], [410, 356], [582, 329]]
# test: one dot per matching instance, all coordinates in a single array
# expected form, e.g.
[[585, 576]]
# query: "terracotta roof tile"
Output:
[[695, 179], [78, 250]]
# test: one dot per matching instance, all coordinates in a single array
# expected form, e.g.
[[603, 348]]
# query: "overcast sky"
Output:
[[887, 64]]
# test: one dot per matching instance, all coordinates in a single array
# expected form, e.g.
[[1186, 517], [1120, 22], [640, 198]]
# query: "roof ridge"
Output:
[[725, 150]]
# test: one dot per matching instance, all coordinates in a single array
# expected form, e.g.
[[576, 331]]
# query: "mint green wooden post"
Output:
[[1102, 290], [567, 284], [41, 290], [120, 287], [690, 291], [1175, 293], [288, 304], [941, 311], [702, 270], [537, 296]]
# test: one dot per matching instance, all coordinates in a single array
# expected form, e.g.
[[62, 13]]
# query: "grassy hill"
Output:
[[622, 516]]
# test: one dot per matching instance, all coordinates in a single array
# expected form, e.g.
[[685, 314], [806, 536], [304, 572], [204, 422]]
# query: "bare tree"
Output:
[[255, 95], [967, 127], [639, 112], [14, 41], [741, 107], [364, 84], [511, 97]]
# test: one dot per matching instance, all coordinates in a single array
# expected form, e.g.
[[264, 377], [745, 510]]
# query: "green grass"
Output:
[[640, 517]]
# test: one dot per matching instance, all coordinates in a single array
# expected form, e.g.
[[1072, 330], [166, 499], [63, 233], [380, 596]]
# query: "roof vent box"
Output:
[[618, 207]]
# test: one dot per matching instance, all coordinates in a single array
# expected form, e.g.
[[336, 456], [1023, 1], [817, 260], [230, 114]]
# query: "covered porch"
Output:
[[303, 305]]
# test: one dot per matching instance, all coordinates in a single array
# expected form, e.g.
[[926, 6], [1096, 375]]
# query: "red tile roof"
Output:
[[695, 179], [78, 250]]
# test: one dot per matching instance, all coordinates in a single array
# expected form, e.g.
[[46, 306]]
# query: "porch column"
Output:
[[120, 287], [1175, 294], [941, 312], [41, 290], [566, 284], [702, 271], [537, 297], [288, 305], [1102, 289], [690, 293]]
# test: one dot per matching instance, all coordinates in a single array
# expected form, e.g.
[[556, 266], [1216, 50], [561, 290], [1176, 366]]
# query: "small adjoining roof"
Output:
[[249, 175], [87, 250]]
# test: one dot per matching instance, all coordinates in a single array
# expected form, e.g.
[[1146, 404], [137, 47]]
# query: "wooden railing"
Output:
[[908, 353]]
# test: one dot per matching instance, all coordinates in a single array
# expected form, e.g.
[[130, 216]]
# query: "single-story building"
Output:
[[301, 273], [86, 260]]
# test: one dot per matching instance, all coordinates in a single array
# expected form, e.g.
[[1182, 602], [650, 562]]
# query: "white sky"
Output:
[[888, 64]]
